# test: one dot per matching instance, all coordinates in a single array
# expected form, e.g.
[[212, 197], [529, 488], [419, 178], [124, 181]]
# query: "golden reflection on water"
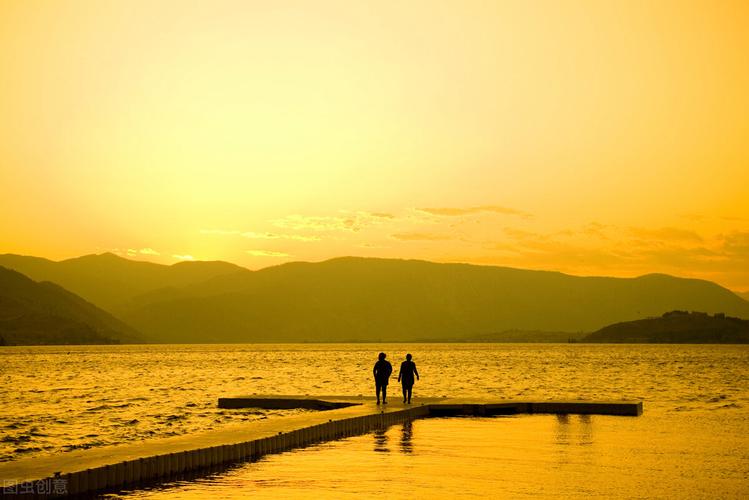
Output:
[[64, 398], [692, 441], [531, 455]]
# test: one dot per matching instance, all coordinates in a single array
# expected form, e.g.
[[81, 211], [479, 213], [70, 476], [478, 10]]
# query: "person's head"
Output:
[[408, 357], [381, 356]]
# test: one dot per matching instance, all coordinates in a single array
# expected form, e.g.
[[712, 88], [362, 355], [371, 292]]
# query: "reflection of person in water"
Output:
[[381, 440], [406, 435], [382, 370], [406, 377]]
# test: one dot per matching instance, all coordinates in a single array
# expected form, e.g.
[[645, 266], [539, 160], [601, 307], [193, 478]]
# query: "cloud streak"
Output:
[[259, 235], [346, 222], [723, 258], [461, 211], [665, 234], [267, 253], [420, 237], [735, 245], [277, 236]]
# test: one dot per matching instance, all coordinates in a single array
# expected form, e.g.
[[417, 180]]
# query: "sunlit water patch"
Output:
[[546, 456]]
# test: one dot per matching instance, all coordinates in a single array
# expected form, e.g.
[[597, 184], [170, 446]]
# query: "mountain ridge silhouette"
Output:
[[370, 299], [355, 299], [34, 312], [109, 280]]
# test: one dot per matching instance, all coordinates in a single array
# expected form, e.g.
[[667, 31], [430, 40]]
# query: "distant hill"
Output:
[[44, 313], [110, 281], [676, 327], [743, 295], [358, 299]]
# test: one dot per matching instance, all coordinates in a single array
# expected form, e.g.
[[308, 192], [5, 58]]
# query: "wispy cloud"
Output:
[[347, 221], [458, 211], [133, 252], [701, 218], [522, 234], [665, 234], [183, 257], [259, 235], [372, 246], [267, 253], [693, 217], [343, 220], [595, 248], [381, 215], [736, 245], [277, 236], [316, 223], [596, 230], [420, 237]]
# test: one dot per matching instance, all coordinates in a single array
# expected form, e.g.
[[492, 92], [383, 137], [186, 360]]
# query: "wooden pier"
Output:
[[86, 472]]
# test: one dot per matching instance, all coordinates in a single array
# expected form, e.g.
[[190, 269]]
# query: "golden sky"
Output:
[[590, 137]]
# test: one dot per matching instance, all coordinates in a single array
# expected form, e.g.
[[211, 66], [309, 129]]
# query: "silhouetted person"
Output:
[[382, 370], [406, 377]]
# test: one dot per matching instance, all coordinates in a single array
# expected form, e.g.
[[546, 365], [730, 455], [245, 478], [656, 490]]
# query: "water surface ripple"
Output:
[[57, 399]]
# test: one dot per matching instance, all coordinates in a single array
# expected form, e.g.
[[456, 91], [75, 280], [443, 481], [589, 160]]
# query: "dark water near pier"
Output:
[[691, 441]]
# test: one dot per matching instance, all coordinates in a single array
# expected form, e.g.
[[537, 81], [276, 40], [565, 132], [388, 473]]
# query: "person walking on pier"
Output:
[[406, 377], [382, 370]]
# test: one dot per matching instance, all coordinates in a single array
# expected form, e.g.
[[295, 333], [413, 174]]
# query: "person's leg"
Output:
[[409, 394], [384, 394], [377, 389], [405, 389]]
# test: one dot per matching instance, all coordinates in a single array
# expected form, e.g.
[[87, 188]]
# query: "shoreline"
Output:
[[369, 342]]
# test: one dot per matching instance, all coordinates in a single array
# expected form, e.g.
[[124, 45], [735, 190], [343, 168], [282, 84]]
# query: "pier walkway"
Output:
[[85, 472]]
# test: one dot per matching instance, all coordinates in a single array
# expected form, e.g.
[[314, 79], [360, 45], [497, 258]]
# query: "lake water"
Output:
[[692, 441], [504, 457]]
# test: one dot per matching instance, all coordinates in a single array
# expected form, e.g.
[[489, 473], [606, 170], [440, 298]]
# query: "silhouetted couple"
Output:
[[382, 371]]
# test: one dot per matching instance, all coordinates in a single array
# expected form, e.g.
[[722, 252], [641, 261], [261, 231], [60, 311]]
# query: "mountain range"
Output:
[[364, 299], [45, 313], [110, 281]]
